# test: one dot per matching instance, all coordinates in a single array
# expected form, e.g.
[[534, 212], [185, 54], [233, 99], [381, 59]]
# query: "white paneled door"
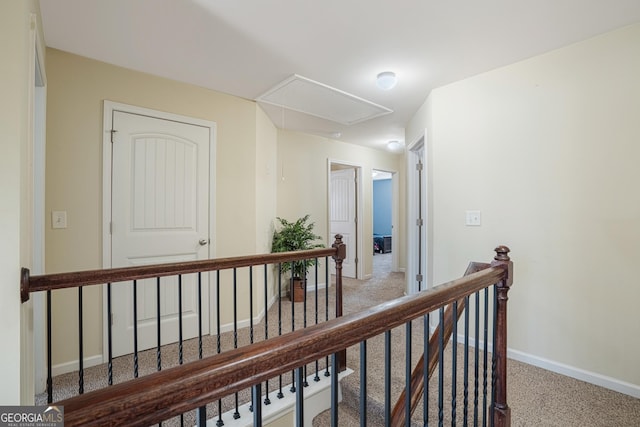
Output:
[[160, 214], [342, 215]]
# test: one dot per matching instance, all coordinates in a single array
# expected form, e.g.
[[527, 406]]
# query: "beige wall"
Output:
[[548, 150], [16, 78], [302, 182], [266, 199], [77, 88]]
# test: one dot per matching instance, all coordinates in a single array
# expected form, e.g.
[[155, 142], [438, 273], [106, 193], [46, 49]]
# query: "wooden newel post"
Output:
[[502, 412], [341, 254]]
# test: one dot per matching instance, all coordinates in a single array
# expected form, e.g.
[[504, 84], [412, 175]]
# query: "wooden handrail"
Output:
[[94, 277], [162, 395]]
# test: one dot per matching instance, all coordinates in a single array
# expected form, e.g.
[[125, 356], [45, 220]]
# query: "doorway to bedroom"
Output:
[[384, 193]]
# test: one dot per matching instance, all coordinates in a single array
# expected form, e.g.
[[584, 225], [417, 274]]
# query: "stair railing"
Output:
[[267, 263], [162, 395], [410, 397]]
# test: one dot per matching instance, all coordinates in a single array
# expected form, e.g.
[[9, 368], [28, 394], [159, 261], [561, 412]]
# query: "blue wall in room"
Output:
[[382, 207]]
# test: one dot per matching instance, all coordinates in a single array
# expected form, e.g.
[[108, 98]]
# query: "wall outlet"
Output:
[[473, 218]]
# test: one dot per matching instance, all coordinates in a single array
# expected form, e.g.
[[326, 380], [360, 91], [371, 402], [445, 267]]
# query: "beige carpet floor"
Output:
[[537, 397]]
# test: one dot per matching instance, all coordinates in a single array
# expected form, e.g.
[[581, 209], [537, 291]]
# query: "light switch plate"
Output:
[[473, 218], [58, 219]]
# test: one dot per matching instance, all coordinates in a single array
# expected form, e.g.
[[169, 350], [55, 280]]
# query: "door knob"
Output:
[[203, 242]]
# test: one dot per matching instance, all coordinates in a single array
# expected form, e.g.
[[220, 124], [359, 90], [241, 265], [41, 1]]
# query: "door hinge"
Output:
[[113, 131], [419, 222], [419, 166], [418, 277]]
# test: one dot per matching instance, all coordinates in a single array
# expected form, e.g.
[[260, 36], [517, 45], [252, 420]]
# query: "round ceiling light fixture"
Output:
[[386, 80], [394, 146]]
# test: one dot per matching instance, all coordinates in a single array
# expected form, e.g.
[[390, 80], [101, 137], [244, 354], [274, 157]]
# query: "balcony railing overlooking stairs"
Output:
[[168, 393], [248, 306]]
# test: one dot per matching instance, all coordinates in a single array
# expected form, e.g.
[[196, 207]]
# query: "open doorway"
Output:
[[383, 198]]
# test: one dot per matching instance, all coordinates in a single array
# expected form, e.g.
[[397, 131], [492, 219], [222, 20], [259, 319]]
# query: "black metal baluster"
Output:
[[199, 315], [465, 410], [476, 360], [251, 314], [267, 401], [135, 329], [109, 337], [49, 342], [326, 306], [317, 377], [454, 364], [180, 354], [293, 321], [485, 356], [334, 390], [425, 371], [201, 412], [441, 370], [236, 414], [255, 403], [387, 378], [251, 304], [494, 360], [305, 383], [80, 345], [158, 351], [280, 395], [407, 374], [299, 379], [219, 422], [363, 384]]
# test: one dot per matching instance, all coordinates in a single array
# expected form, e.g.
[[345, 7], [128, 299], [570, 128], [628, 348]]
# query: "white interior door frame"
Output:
[[417, 152], [330, 238], [37, 137], [109, 108]]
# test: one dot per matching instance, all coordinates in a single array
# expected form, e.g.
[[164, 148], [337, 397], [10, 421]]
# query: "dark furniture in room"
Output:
[[381, 244]]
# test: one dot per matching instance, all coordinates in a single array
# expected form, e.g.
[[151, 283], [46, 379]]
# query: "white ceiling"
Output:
[[246, 47]]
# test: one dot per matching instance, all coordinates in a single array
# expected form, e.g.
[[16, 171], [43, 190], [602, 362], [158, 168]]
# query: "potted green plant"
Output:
[[296, 236]]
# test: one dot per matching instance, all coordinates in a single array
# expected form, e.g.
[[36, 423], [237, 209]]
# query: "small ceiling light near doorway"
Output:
[[386, 80], [394, 146]]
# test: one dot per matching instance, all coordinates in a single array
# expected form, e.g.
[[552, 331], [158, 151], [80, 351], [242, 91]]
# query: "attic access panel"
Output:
[[306, 96]]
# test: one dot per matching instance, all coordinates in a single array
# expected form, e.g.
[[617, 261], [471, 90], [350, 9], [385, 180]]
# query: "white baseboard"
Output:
[[563, 369], [65, 368], [600, 380], [577, 373]]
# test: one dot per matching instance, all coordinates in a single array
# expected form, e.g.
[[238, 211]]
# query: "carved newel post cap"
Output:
[[502, 253], [341, 252]]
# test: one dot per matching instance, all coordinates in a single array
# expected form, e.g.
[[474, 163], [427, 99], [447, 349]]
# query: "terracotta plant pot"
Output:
[[296, 289]]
